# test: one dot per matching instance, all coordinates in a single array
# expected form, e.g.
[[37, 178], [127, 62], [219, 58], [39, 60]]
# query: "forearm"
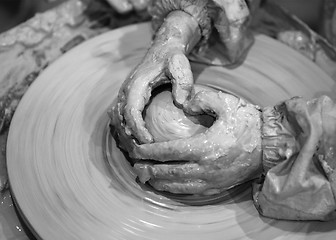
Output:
[[196, 9], [179, 33], [180, 30]]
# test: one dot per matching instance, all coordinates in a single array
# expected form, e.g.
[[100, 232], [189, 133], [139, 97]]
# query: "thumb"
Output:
[[179, 72]]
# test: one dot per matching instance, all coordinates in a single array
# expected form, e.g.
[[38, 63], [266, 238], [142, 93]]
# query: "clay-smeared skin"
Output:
[[165, 61], [226, 154], [167, 122]]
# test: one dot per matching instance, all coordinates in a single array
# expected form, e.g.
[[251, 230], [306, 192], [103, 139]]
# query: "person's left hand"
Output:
[[125, 6], [164, 62]]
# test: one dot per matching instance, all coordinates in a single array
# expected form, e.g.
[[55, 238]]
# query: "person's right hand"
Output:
[[125, 6], [226, 154]]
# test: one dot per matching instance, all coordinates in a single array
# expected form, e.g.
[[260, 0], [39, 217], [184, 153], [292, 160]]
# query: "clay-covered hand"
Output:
[[164, 62], [224, 155], [125, 6]]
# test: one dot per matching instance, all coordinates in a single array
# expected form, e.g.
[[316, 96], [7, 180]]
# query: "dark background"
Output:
[[13, 12]]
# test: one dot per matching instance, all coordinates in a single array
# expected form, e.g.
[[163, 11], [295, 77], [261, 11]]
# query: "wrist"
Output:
[[196, 9], [179, 32]]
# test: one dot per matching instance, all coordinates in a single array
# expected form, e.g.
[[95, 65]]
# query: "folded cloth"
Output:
[[299, 142]]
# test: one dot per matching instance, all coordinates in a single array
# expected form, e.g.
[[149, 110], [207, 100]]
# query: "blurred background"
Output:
[[13, 12]]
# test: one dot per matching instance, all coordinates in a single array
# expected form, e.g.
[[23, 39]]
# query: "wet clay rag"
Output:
[[299, 144]]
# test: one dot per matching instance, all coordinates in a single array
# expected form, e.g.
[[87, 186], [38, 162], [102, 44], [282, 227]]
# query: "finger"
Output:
[[204, 146], [224, 173], [118, 131], [220, 174], [172, 171], [138, 92], [181, 77], [219, 170], [187, 149], [121, 6], [215, 103], [139, 5], [196, 186]]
